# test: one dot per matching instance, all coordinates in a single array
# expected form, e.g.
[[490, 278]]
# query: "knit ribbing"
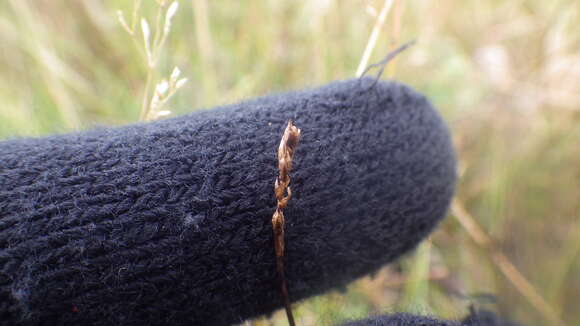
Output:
[[477, 317], [168, 223]]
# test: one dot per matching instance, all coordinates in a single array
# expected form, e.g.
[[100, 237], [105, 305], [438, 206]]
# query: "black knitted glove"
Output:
[[476, 318], [168, 223]]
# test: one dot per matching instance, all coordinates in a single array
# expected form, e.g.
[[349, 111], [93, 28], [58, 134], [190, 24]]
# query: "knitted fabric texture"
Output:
[[403, 319], [168, 223], [476, 318]]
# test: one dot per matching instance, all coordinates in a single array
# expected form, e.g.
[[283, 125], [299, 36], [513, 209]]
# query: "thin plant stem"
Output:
[[158, 36], [509, 270], [135, 15], [205, 47], [373, 38], [396, 33], [283, 193], [145, 103]]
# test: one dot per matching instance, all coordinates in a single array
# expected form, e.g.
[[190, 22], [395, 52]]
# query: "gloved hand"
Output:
[[168, 222]]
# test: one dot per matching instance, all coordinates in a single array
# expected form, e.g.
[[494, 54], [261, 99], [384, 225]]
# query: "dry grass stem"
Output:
[[283, 193], [396, 33], [373, 38], [504, 264]]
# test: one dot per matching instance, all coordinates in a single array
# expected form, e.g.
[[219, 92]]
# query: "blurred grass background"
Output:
[[504, 74]]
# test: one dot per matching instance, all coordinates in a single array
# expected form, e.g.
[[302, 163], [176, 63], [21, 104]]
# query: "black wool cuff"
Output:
[[169, 222]]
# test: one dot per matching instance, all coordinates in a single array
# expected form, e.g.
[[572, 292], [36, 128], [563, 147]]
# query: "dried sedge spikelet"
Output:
[[286, 150]]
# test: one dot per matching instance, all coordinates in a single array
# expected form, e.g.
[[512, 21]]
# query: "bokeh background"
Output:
[[504, 74]]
